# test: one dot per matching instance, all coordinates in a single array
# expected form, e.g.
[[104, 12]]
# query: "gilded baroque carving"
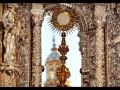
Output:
[[17, 44], [113, 31], [100, 61], [87, 46], [83, 49], [37, 18], [24, 45], [87, 42], [1, 48], [9, 44], [22, 68]]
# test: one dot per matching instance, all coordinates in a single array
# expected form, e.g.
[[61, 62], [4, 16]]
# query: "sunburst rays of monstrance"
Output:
[[63, 20]]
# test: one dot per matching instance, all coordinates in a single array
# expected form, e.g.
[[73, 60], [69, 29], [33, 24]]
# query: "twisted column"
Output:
[[100, 61], [37, 17]]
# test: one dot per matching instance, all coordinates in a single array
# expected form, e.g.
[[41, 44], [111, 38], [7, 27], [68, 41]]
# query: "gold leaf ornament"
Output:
[[63, 17]]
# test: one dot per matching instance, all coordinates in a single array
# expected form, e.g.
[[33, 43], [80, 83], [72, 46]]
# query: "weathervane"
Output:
[[64, 18]]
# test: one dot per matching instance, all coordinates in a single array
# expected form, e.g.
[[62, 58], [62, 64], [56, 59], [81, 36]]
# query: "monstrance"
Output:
[[63, 20]]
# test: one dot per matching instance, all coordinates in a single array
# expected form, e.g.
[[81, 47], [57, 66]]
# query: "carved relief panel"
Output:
[[16, 41]]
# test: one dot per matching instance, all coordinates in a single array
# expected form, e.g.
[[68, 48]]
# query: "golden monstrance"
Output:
[[63, 20]]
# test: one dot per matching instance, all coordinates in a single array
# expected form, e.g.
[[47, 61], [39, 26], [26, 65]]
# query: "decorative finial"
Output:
[[54, 45]]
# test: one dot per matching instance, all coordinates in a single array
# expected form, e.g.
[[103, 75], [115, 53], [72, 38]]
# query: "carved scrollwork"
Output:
[[9, 69], [1, 26], [17, 43], [113, 31], [86, 79], [87, 46], [37, 18]]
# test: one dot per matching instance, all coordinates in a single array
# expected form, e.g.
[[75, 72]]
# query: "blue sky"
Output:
[[74, 56]]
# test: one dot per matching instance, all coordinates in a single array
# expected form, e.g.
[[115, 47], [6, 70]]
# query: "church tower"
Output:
[[51, 65]]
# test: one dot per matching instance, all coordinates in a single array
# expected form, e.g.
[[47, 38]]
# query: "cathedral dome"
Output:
[[54, 55], [52, 63]]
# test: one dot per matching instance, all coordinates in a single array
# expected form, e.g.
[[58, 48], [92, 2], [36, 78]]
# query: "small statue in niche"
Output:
[[9, 36]]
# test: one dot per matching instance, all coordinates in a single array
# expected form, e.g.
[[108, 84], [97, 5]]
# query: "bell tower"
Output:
[[51, 65]]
